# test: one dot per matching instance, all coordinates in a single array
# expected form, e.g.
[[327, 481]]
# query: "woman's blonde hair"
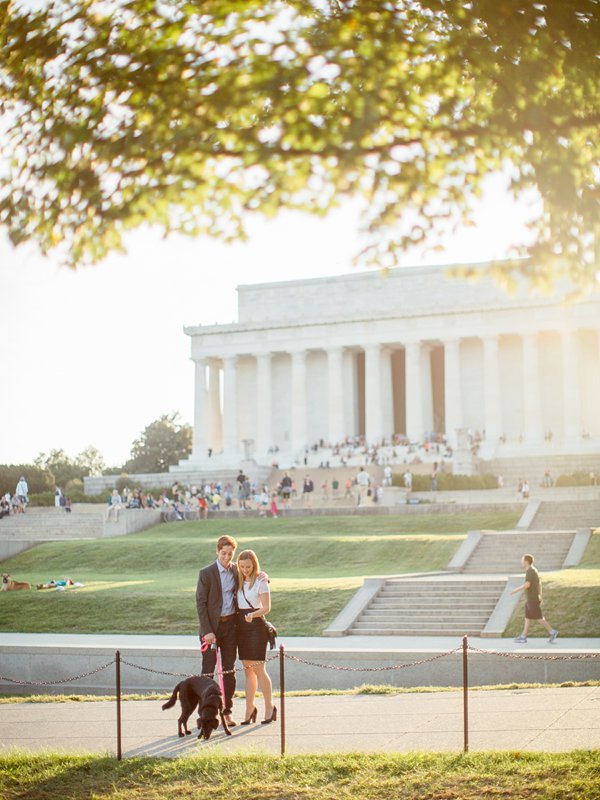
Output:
[[248, 555]]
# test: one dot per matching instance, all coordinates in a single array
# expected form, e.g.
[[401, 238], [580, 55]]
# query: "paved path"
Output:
[[523, 719]]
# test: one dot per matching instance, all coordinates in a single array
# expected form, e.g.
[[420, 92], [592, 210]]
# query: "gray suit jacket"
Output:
[[209, 598]]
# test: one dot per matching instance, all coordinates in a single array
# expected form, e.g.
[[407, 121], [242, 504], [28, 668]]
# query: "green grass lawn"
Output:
[[551, 776], [145, 583], [571, 598]]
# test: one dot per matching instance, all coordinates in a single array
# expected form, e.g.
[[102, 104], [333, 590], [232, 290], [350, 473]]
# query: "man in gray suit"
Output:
[[216, 603]]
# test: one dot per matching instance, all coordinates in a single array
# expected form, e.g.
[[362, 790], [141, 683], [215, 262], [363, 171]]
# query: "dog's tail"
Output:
[[173, 699]]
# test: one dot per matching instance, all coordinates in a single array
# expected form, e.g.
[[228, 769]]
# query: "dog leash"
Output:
[[203, 648], [220, 672]]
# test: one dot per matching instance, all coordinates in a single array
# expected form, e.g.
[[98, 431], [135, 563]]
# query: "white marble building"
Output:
[[412, 351]]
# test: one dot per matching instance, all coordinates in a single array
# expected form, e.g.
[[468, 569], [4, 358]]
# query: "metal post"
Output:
[[118, 675], [282, 696], [466, 693]]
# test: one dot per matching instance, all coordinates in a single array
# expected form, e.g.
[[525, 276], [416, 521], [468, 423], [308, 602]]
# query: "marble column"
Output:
[[572, 424], [335, 396], [200, 433], [491, 389], [532, 397], [452, 390], [215, 418], [387, 394], [231, 443], [298, 441], [373, 394], [263, 404], [414, 392]]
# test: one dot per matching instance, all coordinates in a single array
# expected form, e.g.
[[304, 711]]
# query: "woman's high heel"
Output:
[[272, 718], [251, 718]]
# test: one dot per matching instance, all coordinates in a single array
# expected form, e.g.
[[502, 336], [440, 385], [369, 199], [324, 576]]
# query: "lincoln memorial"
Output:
[[412, 352]]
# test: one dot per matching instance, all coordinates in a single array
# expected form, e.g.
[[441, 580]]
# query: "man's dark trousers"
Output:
[[227, 644]]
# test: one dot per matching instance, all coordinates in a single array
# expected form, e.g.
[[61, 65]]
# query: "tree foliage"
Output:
[[38, 479], [64, 468], [164, 442], [190, 115], [90, 461]]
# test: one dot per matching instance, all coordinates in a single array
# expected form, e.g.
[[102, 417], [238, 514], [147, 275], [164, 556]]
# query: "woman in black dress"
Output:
[[254, 603]]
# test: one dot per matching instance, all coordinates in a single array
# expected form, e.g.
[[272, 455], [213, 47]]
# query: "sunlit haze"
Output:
[[92, 357]]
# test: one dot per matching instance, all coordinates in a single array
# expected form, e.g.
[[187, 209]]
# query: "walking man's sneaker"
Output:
[[552, 637], [521, 639]]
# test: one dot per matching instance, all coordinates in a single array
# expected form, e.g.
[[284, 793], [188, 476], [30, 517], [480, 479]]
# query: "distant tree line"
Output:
[[163, 442]]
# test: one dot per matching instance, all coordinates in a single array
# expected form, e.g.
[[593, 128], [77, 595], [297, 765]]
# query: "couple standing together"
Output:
[[232, 601]]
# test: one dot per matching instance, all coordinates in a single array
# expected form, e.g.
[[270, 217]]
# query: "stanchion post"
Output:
[[282, 696], [466, 693], [118, 675]]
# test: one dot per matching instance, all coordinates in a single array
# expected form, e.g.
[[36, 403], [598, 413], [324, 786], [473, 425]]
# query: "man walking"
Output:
[[533, 605], [215, 602]]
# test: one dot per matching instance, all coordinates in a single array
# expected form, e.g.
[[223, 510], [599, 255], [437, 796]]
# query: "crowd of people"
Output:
[[17, 502], [397, 449]]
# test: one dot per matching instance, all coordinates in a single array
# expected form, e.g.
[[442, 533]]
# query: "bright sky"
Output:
[[92, 357]]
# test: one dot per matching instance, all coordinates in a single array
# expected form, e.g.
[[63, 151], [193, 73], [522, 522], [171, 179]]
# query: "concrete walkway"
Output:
[[522, 719]]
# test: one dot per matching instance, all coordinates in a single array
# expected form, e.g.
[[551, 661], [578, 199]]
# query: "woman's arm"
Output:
[[264, 598], [265, 603]]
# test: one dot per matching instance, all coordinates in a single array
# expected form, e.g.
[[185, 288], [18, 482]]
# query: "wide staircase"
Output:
[[319, 477], [567, 514], [501, 551], [515, 467], [460, 604], [425, 607], [49, 524]]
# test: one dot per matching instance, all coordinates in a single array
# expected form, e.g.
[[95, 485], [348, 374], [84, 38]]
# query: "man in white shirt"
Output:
[[363, 481], [387, 475]]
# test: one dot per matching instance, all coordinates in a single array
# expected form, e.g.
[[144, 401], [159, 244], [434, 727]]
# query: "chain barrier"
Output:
[[298, 659], [191, 674], [525, 657], [337, 667], [62, 680]]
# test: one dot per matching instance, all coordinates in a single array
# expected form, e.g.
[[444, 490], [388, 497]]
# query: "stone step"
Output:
[[426, 605], [467, 608], [443, 588], [444, 580], [533, 467], [425, 629], [385, 620], [459, 632], [575, 514], [501, 552], [430, 607]]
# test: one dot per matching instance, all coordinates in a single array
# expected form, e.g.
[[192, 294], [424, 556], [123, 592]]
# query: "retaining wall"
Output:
[[433, 667]]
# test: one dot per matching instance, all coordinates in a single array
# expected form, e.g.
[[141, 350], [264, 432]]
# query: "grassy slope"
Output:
[[552, 776], [571, 598], [146, 582]]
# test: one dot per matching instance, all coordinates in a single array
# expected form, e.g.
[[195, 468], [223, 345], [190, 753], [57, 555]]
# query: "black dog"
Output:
[[204, 693]]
